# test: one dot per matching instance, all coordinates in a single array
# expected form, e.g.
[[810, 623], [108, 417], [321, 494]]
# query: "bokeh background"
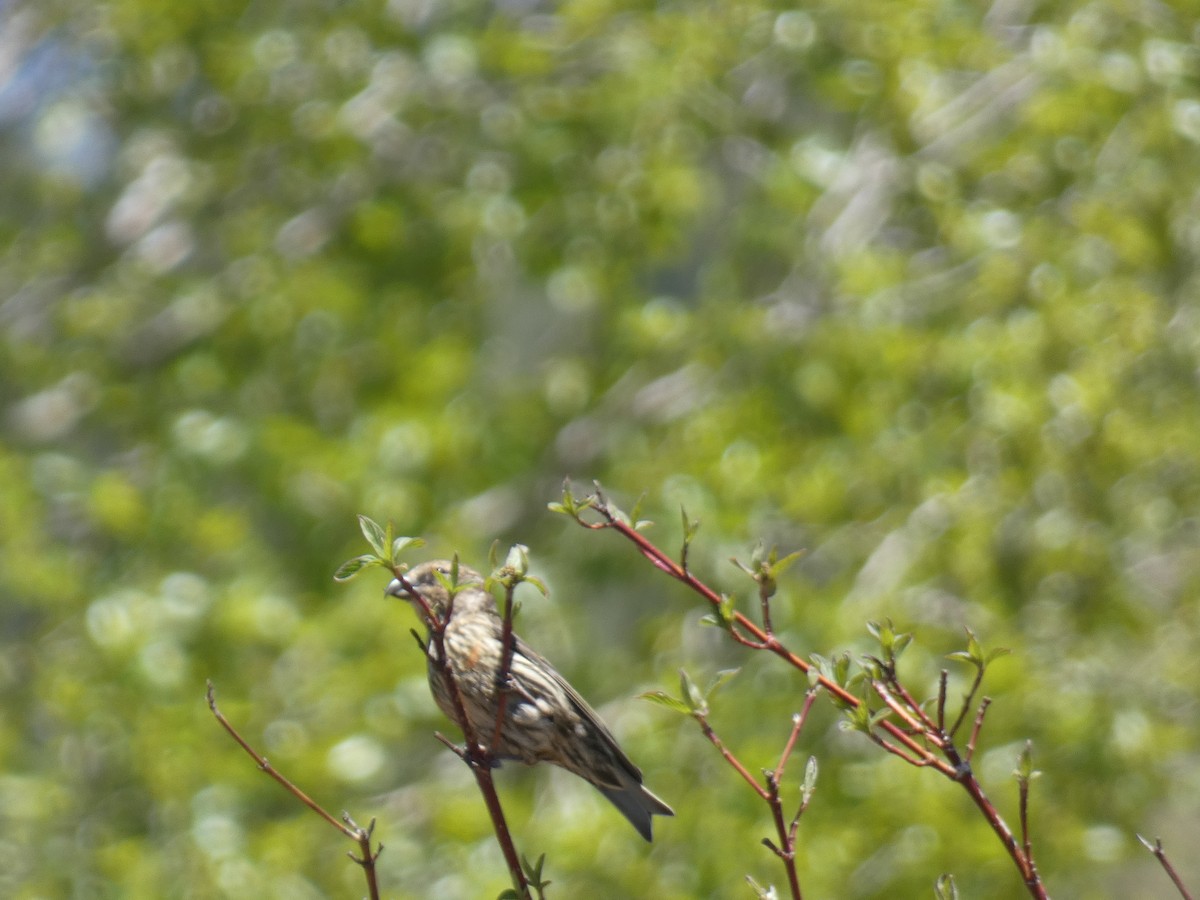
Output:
[[910, 285]]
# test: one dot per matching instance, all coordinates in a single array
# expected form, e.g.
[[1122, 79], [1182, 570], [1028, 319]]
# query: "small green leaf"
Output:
[[352, 567], [962, 656], [613, 510], [786, 563], [449, 582], [725, 610], [880, 715], [636, 512], [1025, 772], [872, 666], [400, 544], [996, 654], [712, 619], [533, 871], [945, 888], [762, 893], [689, 527], [691, 694], [662, 698], [718, 680], [858, 718], [518, 559], [855, 681], [973, 646], [836, 670], [376, 536], [566, 504], [885, 633], [539, 584], [810, 780]]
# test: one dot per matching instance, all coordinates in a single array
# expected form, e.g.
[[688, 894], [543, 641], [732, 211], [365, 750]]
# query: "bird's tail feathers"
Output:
[[637, 804]]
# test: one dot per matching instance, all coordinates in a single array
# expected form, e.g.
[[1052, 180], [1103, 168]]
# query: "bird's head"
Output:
[[433, 580]]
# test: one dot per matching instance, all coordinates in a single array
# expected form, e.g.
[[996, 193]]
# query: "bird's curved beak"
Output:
[[397, 589]]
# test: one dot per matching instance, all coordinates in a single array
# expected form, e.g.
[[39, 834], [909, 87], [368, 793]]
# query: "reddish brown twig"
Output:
[[1023, 815], [785, 830], [911, 742], [347, 826], [506, 643], [479, 758], [759, 639], [967, 702], [977, 727], [1161, 855]]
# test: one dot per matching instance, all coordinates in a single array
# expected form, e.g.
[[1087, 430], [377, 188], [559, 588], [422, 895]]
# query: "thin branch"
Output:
[[904, 710], [1161, 855], [1026, 842], [1024, 864], [477, 757], [361, 836], [920, 762], [729, 757], [918, 711], [977, 727], [742, 639], [786, 849], [761, 640], [787, 852], [679, 573], [967, 701], [797, 725], [898, 742], [943, 683], [367, 859], [506, 641], [460, 752], [764, 600], [798, 721]]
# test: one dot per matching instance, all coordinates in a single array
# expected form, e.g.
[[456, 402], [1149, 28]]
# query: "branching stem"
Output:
[[478, 757], [910, 743], [347, 826], [785, 830]]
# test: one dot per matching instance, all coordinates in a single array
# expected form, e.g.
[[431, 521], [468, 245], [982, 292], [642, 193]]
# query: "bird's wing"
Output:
[[590, 717]]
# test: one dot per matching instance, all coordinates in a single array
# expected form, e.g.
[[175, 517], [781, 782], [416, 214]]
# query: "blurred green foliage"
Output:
[[910, 285]]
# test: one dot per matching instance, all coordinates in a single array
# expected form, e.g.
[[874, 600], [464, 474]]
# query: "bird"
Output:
[[545, 719]]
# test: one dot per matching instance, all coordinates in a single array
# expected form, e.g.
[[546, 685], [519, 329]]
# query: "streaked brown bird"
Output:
[[545, 719]]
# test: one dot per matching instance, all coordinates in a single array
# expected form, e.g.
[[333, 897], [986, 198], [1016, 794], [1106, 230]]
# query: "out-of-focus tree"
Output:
[[912, 286]]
